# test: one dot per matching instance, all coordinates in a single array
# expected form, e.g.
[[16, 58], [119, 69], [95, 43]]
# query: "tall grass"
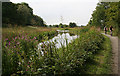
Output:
[[19, 49], [16, 31], [25, 58], [70, 59]]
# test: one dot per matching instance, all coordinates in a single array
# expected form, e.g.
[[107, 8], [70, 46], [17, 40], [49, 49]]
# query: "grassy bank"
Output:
[[19, 47], [22, 57], [101, 61]]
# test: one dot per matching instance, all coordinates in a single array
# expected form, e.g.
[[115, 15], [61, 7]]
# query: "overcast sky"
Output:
[[52, 11]]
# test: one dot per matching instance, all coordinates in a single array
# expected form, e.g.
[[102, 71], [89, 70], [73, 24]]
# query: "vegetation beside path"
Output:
[[22, 57], [102, 60]]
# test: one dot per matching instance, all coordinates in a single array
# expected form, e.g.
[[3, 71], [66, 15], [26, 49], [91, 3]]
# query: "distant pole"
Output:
[[61, 19]]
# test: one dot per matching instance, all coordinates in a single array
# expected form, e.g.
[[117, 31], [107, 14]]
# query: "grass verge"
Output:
[[101, 62]]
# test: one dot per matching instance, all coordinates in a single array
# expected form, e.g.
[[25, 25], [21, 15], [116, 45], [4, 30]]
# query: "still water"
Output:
[[60, 39]]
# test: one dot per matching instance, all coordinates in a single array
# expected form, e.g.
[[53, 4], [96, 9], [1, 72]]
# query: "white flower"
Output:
[[19, 63]]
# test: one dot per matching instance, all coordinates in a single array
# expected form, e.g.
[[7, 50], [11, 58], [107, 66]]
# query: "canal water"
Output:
[[60, 39]]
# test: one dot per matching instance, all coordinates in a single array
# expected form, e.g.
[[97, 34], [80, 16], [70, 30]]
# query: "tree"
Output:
[[106, 13], [72, 24], [98, 15], [9, 13], [55, 26], [24, 13], [20, 14], [61, 25], [37, 21]]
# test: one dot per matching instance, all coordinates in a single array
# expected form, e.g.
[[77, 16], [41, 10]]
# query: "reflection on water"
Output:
[[60, 39], [62, 30]]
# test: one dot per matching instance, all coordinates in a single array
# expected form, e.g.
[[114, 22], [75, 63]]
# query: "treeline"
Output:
[[106, 14], [71, 25], [19, 14]]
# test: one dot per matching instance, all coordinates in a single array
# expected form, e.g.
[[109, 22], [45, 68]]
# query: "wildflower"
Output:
[[31, 58], [19, 38], [9, 43], [17, 53], [26, 70], [25, 39], [19, 63], [39, 69], [18, 42], [14, 46], [15, 37], [31, 63], [6, 39], [26, 34], [35, 38], [22, 37], [19, 34], [23, 61], [28, 66]]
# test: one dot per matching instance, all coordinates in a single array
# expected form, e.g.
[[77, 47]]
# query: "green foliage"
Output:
[[37, 21], [9, 13], [112, 17], [27, 59], [101, 61], [55, 25], [19, 53], [63, 25], [85, 29], [72, 24], [19, 14], [70, 60], [106, 14], [24, 13], [60, 25]]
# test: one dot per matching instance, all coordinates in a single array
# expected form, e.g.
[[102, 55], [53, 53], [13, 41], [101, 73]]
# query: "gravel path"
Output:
[[115, 54]]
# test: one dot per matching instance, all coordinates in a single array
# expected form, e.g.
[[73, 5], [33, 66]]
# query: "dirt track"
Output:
[[115, 54]]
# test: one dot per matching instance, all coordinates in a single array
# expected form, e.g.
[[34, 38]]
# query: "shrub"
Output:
[[21, 56], [70, 59]]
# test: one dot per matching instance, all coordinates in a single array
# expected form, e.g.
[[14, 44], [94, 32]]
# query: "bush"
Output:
[[24, 58], [70, 59]]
